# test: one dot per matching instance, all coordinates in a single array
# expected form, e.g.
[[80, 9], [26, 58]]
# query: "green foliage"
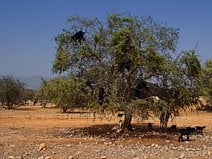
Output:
[[191, 64], [61, 62], [120, 43], [28, 94], [155, 62], [207, 78], [65, 93], [11, 91]]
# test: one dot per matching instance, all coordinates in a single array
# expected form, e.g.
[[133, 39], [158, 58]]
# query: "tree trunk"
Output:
[[64, 109], [127, 121], [164, 118]]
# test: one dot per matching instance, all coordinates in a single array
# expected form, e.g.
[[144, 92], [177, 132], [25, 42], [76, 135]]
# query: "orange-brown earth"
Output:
[[35, 132]]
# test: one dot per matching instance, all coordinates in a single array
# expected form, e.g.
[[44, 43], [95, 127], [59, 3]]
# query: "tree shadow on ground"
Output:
[[24, 109], [18, 108], [107, 131], [207, 108]]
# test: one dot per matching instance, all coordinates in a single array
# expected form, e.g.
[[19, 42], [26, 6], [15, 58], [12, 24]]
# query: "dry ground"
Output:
[[35, 132]]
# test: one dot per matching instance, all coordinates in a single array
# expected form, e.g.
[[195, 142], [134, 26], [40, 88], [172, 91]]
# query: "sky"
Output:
[[27, 27]]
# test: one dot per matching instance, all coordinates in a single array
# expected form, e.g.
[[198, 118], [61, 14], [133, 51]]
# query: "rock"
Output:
[[42, 146], [182, 155], [70, 157], [145, 157], [187, 149], [48, 157], [168, 141], [181, 147], [41, 157], [207, 137], [153, 145], [173, 148], [204, 147], [103, 157], [166, 148], [26, 154]]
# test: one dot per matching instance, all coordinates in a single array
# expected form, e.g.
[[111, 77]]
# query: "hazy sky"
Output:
[[27, 27]]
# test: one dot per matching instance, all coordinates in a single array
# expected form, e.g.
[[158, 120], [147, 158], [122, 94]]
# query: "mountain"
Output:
[[32, 82]]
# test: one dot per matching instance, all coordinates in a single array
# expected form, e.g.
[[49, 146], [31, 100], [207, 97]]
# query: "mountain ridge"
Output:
[[31, 82]]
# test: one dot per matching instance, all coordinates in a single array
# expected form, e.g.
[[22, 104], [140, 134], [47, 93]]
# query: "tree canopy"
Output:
[[11, 91], [133, 59], [207, 78], [64, 92]]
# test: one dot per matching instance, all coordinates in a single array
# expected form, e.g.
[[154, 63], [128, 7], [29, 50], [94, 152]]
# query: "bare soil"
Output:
[[41, 133]]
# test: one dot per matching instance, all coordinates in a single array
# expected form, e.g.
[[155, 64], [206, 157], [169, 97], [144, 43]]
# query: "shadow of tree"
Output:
[[207, 108], [106, 131]]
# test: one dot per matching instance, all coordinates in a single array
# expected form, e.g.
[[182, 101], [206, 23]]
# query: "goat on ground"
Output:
[[172, 128], [185, 132], [199, 129]]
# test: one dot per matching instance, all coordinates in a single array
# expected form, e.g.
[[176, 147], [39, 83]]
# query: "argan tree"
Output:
[[134, 60], [207, 78], [11, 92], [64, 92]]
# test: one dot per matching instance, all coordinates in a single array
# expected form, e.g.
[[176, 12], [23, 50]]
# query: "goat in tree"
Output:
[[139, 88], [89, 84], [101, 95], [126, 64], [78, 36]]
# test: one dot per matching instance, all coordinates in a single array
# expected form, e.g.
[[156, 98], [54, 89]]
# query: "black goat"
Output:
[[101, 95], [139, 88], [78, 36], [185, 132], [199, 129], [126, 64], [172, 128], [89, 84]]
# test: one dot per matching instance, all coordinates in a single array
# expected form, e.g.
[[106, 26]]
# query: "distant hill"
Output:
[[32, 82]]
